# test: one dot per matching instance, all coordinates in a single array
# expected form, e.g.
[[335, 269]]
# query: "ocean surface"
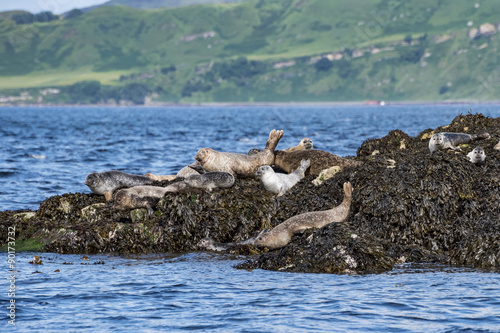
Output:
[[49, 151]]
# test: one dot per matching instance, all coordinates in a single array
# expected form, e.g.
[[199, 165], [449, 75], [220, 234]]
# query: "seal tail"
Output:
[[481, 136], [347, 193], [274, 137]]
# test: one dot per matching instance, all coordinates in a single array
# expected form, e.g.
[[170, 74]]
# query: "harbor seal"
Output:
[[445, 140], [497, 146], [239, 165], [477, 156], [280, 183], [305, 143], [210, 180], [320, 160], [159, 177], [140, 196], [191, 169], [105, 183], [281, 235]]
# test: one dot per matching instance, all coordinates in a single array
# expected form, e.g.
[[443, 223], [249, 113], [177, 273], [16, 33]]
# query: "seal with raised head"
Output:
[[239, 165], [320, 160], [304, 144], [281, 235], [280, 183], [477, 156], [140, 196], [445, 140], [105, 183]]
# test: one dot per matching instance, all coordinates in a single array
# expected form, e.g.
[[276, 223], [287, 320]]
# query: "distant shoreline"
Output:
[[265, 104]]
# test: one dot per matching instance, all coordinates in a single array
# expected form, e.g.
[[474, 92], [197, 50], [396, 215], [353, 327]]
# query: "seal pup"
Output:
[[320, 160], [140, 196], [280, 183], [239, 165], [477, 156], [281, 235], [445, 140], [105, 183], [305, 143], [210, 180]]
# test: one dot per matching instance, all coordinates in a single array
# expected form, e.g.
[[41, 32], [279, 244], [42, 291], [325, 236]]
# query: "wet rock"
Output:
[[408, 206]]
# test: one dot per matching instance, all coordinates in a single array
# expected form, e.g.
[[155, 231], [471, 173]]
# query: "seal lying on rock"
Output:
[[281, 235], [239, 165], [497, 146], [443, 141], [210, 180], [105, 183], [159, 177], [320, 160], [191, 169], [477, 156], [305, 143], [280, 183], [140, 196]]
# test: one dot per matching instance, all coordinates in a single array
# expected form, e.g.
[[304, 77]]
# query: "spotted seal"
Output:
[[280, 183], [140, 196], [320, 160], [105, 183], [305, 143], [445, 140], [210, 180], [477, 156], [281, 235], [240, 165]]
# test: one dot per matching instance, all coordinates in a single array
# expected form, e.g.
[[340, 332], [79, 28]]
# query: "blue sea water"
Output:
[[49, 151]]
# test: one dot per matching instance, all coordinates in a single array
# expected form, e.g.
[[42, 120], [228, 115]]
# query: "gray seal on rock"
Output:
[[105, 183], [239, 165], [304, 144], [445, 140], [477, 156], [281, 235], [140, 196], [280, 183], [191, 169], [320, 160], [210, 180]]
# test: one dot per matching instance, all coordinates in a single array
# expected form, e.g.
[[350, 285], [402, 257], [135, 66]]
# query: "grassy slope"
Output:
[[111, 41]]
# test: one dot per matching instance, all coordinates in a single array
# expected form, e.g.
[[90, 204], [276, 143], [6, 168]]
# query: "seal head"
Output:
[[477, 156]]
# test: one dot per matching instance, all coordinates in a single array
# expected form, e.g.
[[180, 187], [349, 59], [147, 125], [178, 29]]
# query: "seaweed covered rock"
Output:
[[408, 205]]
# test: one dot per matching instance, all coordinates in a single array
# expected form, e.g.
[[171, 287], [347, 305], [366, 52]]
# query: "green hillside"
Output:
[[154, 4], [256, 50]]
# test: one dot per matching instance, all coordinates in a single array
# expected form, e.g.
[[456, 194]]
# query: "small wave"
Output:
[[6, 174], [37, 157]]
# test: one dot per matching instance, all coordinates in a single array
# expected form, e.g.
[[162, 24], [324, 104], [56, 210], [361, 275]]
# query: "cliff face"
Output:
[[408, 206]]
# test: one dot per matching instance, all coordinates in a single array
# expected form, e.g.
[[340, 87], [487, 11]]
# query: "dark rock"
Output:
[[408, 206]]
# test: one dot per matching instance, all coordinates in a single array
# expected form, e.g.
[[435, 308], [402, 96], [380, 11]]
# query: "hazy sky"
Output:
[[55, 6]]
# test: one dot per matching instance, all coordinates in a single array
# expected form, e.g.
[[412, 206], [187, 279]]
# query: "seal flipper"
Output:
[[151, 212], [108, 195]]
